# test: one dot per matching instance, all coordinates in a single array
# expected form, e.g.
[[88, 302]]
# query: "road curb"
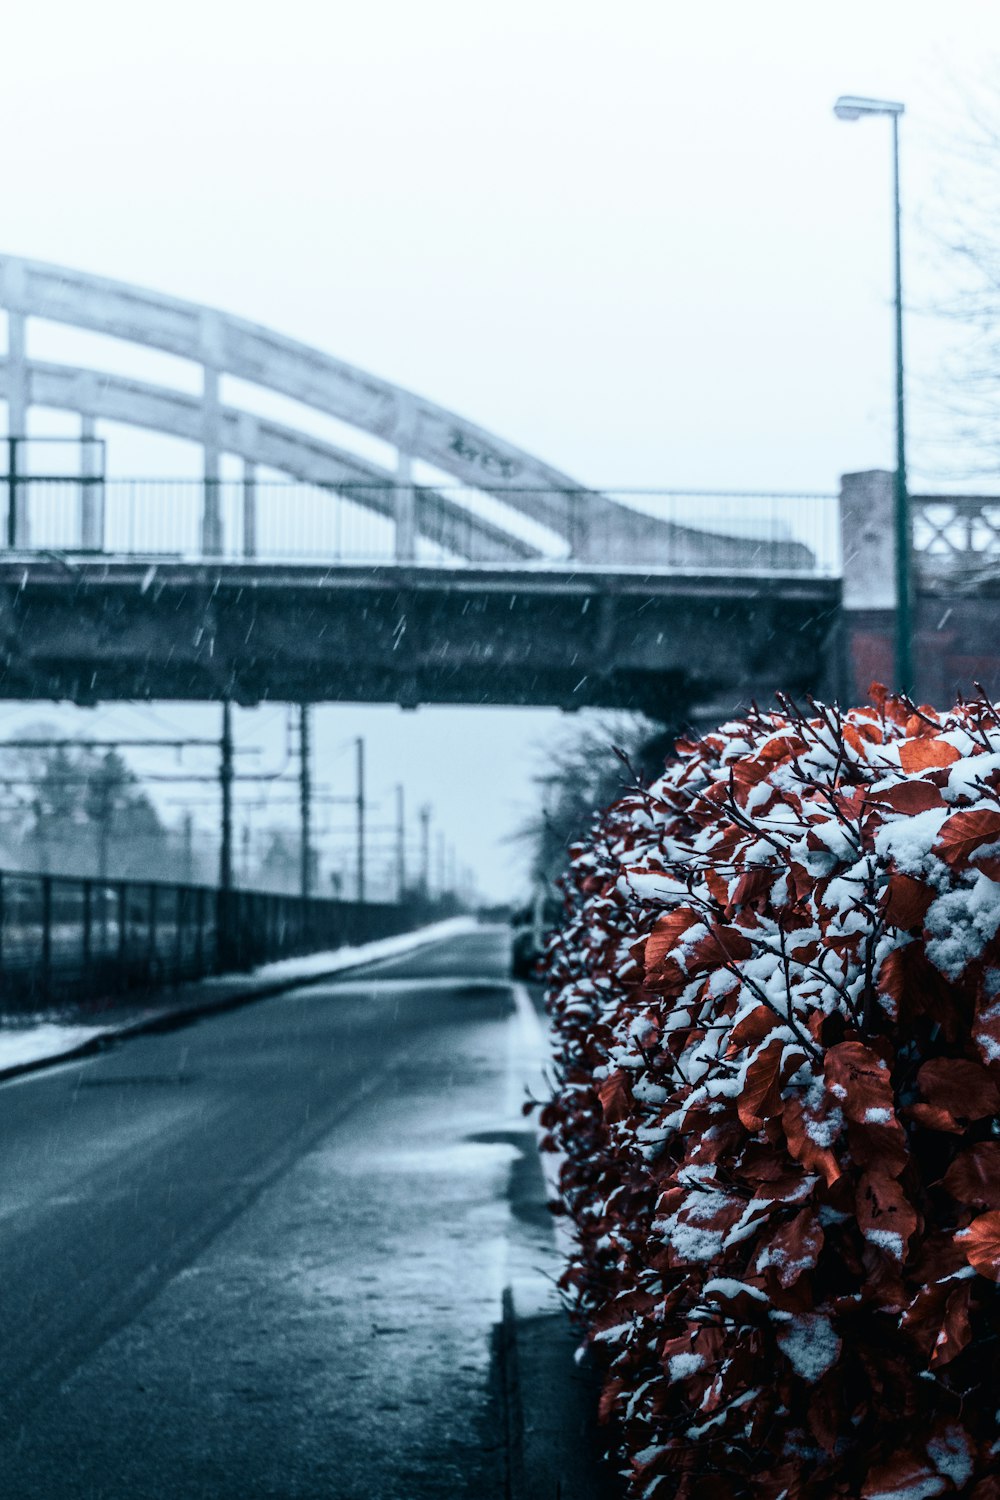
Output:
[[172, 1018], [555, 1447], [554, 1443]]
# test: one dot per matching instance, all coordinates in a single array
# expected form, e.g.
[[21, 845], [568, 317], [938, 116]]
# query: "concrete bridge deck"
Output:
[[92, 629]]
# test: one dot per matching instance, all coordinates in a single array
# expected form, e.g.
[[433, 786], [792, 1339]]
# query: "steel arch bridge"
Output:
[[222, 345], [462, 605]]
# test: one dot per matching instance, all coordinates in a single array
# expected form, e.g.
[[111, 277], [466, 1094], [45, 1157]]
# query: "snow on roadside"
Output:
[[21, 1045], [334, 959], [43, 1039]]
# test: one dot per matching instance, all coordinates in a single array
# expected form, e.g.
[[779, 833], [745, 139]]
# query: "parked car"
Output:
[[531, 924]]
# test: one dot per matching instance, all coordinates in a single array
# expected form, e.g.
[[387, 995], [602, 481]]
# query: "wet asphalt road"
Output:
[[263, 1255]]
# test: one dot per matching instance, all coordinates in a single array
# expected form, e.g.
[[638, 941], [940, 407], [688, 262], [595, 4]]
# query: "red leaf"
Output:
[[749, 773], [781, 747], [793, 1250], [923, 1318], [761, 1097], [859, 1080], [965, 1089], [723, 945], [907, 978], [956, 1330], [719, 947], [753, 886], [802, 1146], [904, 1477], [879, 1145], [965, 832], [853, 738], [886, 1216], [892, 974], [665, 936], [609, 1399], [934, 1118], [981, 1244], [974, 1175], [752, 1030], [907, 901], [910, 797], [718, 886], [615, 1094], [925, 754]]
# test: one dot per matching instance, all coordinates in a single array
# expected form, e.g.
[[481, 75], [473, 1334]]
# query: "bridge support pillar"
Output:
[[249, 509], [211, 515], [404, 509], [18, 530], [869, 582], [91, 489]]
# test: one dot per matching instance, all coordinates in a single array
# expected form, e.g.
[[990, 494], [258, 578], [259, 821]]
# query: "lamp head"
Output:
[[854, 106]]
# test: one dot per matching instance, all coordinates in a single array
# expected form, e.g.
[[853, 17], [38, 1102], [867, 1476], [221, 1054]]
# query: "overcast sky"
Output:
[[632, 239]]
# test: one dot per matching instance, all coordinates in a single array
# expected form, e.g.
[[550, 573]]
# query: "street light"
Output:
[[852, 107]]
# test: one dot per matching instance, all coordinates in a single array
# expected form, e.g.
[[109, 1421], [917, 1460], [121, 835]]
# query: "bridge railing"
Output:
[[281, 520], [956, 534], [90, 944]]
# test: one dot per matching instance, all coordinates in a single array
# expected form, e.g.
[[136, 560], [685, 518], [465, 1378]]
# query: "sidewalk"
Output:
[[39, 1044], [555, 1445]]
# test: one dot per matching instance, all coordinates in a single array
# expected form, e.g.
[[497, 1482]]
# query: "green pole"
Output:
[[226, 790], [903, 652], [305, 805], [228, 938]]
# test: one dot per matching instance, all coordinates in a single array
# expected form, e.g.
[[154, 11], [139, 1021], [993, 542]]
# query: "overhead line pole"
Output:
[[425, 851], [227, 937], [400, 842], [360, 746], [305, 803]]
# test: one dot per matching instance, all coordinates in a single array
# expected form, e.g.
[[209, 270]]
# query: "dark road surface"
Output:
[[263, 1255]]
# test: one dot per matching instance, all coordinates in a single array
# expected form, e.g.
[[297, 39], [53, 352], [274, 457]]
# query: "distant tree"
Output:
[[585, 771], [280, 868], [74, 810], [964, 233]]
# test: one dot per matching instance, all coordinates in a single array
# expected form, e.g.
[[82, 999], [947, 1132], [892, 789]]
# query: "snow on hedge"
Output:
[[777, 999]]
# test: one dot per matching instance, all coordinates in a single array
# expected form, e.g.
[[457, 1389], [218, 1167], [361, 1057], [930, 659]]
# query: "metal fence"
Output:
[[285, 520], [89, 944], [282, 520]]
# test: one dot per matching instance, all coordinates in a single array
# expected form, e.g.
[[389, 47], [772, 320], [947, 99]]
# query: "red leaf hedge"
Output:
[[777, 998]]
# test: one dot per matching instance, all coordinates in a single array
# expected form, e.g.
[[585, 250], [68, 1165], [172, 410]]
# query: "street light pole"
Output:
[[904, 628], [852, 107]]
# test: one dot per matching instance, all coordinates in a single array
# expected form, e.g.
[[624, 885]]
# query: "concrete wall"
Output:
[[956, 640]]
